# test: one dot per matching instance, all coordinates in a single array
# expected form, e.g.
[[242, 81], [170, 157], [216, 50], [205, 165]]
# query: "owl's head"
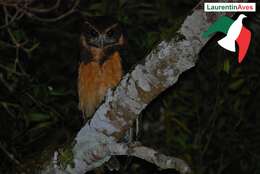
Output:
[[100, 37], [101, 32]]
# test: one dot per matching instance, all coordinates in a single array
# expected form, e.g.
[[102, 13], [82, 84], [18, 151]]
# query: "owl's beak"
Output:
[[101, 41]]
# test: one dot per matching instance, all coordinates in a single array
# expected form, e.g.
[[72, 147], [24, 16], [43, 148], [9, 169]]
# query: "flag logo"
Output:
[[235, 33]]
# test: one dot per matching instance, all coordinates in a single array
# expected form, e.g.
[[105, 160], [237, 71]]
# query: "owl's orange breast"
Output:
[[94, 81]]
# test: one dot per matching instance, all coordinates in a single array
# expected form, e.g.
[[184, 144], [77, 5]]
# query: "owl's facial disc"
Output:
[[102, 41], [102, 37]]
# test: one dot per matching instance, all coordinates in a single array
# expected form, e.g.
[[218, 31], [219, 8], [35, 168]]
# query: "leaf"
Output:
[[19, 35], [38, 117], [57, 92], [236, 85], [226, 66], [153, 38], [96, 6]]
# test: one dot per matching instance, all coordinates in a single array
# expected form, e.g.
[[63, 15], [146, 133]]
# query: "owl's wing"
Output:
[[125, 58], [221, 25], [85, 56], [243, 42]]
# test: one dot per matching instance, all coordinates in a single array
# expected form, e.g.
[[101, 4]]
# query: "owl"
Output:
[[101, 41]]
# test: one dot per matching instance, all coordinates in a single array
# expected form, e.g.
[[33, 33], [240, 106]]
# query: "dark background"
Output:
[[210, 118]]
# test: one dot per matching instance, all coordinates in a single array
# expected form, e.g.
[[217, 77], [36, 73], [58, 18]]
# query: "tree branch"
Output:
[[148, 154]]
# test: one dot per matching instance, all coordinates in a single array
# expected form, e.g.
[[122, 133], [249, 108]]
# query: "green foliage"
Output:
[[66, 157], [37, 117]]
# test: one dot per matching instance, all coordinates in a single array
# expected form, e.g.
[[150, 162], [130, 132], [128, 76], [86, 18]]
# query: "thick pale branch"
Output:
[[161, 160], [148, 154]]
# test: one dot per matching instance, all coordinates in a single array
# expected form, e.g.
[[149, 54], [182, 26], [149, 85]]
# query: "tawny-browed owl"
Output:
[[100, 68]]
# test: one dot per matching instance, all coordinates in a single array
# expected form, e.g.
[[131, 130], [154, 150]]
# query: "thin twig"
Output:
[[23, 8], [46, 10], [9, 155], [56, 18], [41, 105], [14, 17], [5, 83]]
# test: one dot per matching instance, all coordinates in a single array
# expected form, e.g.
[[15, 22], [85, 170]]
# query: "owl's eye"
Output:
[[92, 33], [111, 33]]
